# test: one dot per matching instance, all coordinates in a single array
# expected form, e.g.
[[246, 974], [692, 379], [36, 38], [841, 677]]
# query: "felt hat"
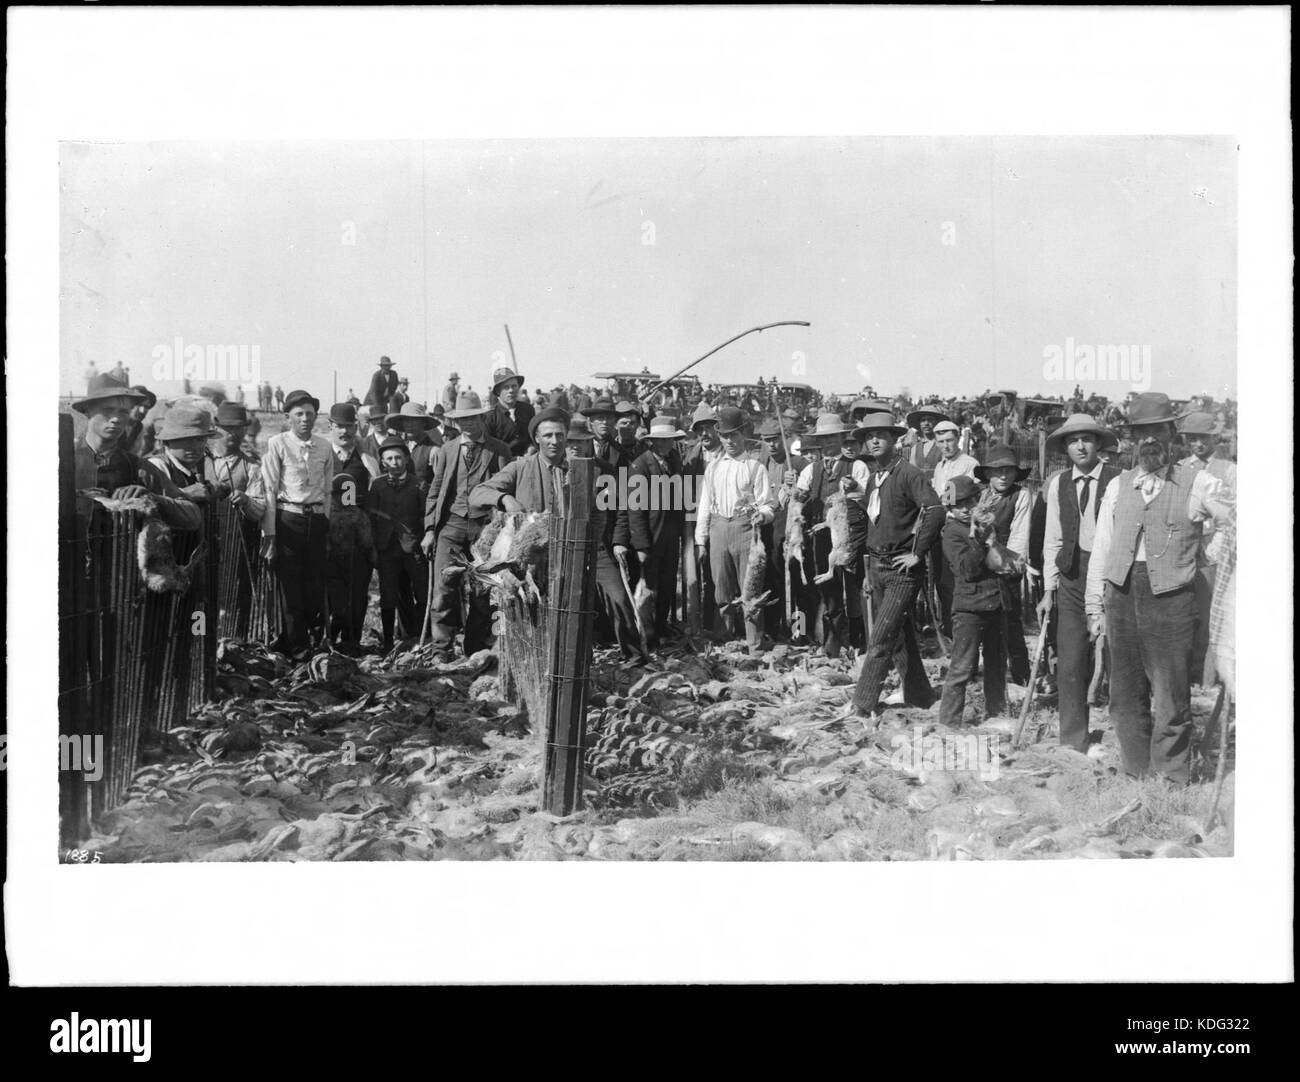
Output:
[[998, 456], [769, 428], [1077, 423], [1150, 408], [453, 376], [343, 413], [925, 411], [828, 424], [1198, 423], [731, 419], [869, 421], [664, 428], [105, 387], [579, 429], [298, 398], [394, 443], [552, 413], [502, 374], [468, 404], [704, 414], [184, 422], [384, 362], [150, 397], [231, 415], [603, 404], [410, 411], [623, 408], [792, 419], [404, 382], [958, 489]]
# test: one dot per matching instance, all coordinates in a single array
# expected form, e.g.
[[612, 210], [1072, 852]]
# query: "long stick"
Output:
[[767, 326], [513, 363], [428, 605], [1219, 770], [1033, 679], [621, 560]]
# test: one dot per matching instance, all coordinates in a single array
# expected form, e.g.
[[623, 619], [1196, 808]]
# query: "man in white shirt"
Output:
[[736, 499], [1073, 498]]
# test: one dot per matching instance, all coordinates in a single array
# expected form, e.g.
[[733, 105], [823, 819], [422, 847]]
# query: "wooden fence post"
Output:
[[572, 598]]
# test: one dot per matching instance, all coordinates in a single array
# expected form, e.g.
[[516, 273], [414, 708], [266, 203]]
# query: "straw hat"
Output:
[[410, 411], [883, 420], [664, 428], [1076, 424], [468, 404], [828, 424]]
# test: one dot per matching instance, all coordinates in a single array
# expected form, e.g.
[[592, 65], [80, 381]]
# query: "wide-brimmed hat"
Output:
[[704, 414], [453, 375], [500, 375], [925, 411], [105, 387], [959, 488], [1150, 408], [884, 420], [1076, 424], [1199, 423], [828, 424], [551, 413], [343, 413], [184, 422], [468, 404], [232, 415], [384, 362], [410, 411], [664, 428], [999, 456], [769, 428], [297, 398], [731, 419], [579, 429], [603, 404]]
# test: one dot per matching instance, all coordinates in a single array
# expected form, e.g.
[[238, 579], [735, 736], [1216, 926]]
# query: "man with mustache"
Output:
[[1140, 587]]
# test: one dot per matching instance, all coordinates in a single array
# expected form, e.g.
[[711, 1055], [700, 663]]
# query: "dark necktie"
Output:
[[1083, 495], [471, 455]]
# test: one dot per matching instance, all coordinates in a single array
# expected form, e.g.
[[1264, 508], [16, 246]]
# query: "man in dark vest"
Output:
[[904, 521], [383, 385], [1073, 498], [1140, 587], [451, 527], [1012, 508], [349, 456], [924, 453]]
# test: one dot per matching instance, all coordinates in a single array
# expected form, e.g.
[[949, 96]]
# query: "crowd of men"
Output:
[[869, 531]]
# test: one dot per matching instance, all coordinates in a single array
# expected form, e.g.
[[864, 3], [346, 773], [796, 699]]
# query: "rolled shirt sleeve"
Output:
[[1094, 594], [1018, 541], [704, 511], [1052, 534]]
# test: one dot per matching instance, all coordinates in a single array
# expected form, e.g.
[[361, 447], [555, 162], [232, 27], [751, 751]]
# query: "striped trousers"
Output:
[[893, 594]]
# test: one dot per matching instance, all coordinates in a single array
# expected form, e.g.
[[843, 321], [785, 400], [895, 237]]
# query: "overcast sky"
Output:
[[939, 265]]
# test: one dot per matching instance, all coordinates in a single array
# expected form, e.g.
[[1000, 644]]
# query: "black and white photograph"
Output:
[[853, 495]]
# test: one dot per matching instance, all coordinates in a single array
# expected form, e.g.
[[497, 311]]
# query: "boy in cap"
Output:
[[980, 600], [396, 508], [451, 526], [1073, 499], [184, 436], [1011, 506], [1140, 587], [297, 471]]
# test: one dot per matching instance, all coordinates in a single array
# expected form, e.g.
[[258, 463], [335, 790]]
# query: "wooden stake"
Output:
[[1029, 689]]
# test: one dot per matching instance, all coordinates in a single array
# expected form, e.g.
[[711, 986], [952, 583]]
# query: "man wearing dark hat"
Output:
[[627, 420], [606, 447], [349, 457], [510, 418], [1012, 508], [451, 391], [924, 453], [1199, 430], [705, 450], [451, 526], [904, 519], [534, 483], [830, 474], [383, 385], [396, 508], [1073, 499], [237, 476], [103, 467], [420, 433], [401, 396], [735, 500], [136, 441], [652, 519], [1141, 587], [297, 471]]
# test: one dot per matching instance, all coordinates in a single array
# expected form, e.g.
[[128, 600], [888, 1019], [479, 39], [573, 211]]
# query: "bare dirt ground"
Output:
[[699, 756]]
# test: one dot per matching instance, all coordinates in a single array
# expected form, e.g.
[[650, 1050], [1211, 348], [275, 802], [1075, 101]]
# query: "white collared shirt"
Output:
[[1052, 528]]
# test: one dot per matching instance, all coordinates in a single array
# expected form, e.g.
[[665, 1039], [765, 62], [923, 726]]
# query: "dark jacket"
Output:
[[445, 479], [642, 514], [383, 385], [975, 587], [397, 512], [514, 434], [525, 479], [902, 496]]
